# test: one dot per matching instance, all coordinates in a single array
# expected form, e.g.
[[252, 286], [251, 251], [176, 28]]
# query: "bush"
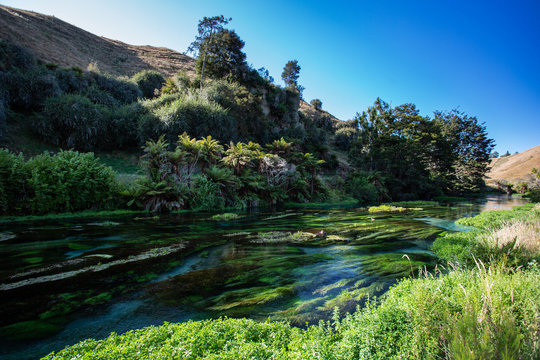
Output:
[[198, 118], [344, 138], [69, 181], [14, 175], [72, 121], [206, 195], [122, 90], [121, 127], [359, 186], [14, 57], [100, 97], [149, 82], [29, 89]]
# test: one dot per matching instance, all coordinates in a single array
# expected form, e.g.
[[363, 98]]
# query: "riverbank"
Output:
[[484, 309]]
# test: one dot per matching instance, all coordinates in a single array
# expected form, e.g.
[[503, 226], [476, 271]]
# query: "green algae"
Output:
[[99, 299], [31, 329], [225, 217]]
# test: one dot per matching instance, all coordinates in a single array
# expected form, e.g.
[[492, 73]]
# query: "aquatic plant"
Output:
[[225, 216]]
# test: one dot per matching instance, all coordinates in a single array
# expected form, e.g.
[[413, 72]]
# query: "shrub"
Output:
[[149, 82], [206, 195], [14, 190], [72, 121], [122, 90], [71, 81], [29, 89], [121, 127], [69, 181], [359, 186], [14, 57], [100, 97], [344, 138], [198, 118]]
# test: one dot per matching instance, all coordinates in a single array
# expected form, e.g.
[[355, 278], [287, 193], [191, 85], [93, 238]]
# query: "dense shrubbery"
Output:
[[202, 175], [64, 182], [150, 82]]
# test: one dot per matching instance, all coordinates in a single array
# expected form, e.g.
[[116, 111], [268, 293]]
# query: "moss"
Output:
[[99, 299], [34, 260], [32, 329], [225, 216], [386, 208]]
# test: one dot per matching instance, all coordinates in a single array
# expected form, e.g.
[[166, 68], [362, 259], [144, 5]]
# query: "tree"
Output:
[[206, 29], [290, 74], [316, 103], [471, 145], [265, 74], [224, 55], [494, 155]]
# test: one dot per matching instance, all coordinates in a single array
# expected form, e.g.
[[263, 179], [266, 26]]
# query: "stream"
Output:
[[62, 281]]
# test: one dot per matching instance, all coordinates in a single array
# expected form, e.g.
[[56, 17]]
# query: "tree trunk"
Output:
[[202, 70]]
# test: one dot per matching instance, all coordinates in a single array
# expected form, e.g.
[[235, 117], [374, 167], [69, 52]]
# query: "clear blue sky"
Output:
[[482, 57]]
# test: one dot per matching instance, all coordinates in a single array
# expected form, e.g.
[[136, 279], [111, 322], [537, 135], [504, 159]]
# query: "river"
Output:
[[62, 281]]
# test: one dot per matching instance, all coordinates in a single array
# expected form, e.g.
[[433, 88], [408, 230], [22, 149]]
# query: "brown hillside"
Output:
[[56, 41], [515, 168]]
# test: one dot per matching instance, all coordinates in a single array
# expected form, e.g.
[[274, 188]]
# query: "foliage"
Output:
[[78, 182], [67, 181], [72, 121], [344, 138], [207, 28], [206, 195], [149, 81], [223, 55], [316, 103], [419, 157], [14, 187], [360, 186], [290, 74], [471, 146], [15, 57]]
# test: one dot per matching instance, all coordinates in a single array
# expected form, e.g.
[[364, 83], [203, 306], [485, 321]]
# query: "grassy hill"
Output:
[[515, 168], [55, 41]]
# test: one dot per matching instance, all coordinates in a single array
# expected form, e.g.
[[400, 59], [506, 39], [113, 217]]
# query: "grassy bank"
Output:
[[486, 307]]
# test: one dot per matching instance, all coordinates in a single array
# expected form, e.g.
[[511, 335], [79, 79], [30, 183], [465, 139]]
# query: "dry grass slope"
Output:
[[515, 168], [56, 41]]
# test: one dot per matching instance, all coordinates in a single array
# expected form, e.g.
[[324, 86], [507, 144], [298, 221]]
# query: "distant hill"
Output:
[[514, 168], [55, 41]]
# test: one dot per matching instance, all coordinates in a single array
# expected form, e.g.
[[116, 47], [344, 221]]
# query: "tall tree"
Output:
[[207, 28], [224, 55], [471, 145], [290, 74]]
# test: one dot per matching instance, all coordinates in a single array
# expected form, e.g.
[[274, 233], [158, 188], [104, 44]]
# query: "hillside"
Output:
[[56, 41], [515, 168]]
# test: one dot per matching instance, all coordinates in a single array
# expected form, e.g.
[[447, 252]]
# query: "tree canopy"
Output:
[[291, 73]]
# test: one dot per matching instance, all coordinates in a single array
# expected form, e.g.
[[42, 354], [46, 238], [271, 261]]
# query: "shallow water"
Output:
[[67, 280]]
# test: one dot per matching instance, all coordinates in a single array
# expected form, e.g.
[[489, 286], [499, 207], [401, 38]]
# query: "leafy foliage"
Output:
[[67, 181], [149, 81]]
